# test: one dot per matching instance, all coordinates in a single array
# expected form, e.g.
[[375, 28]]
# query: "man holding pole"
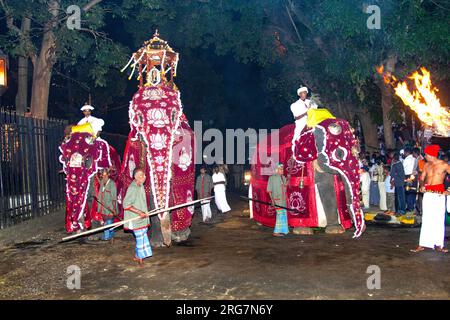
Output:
[[135, 204], [277, 187], [107, 203]]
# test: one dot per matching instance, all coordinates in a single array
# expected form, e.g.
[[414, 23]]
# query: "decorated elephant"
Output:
[[322, 171], [82, 156], [160, 142]]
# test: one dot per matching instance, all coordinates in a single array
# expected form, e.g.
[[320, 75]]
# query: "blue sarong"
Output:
[[143, 248], [109, 233], [281, 224]]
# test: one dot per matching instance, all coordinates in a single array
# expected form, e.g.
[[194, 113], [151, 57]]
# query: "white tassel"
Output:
[[131, 59]]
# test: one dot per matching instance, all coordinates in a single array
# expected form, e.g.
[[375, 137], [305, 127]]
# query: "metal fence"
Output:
[[31, 182]]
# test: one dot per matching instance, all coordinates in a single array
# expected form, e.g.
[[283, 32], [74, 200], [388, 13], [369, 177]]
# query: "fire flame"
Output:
[[387, 76], [423, 101]]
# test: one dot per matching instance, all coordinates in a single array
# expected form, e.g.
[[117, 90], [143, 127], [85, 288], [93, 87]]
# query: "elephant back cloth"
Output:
[[336, 152], [82, 156], [161, 143]]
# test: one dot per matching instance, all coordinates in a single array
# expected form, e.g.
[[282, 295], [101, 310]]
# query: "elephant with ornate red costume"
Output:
[[323, 176], [83, 155], [160, 142]]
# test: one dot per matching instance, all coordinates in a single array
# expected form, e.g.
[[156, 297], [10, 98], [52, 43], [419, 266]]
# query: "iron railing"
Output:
[[31, 181]]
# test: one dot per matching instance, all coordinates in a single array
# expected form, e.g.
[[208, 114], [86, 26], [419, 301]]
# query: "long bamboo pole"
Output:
[[148, 214]]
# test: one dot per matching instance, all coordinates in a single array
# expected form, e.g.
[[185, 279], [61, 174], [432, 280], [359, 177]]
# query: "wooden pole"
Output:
[[150, 213]]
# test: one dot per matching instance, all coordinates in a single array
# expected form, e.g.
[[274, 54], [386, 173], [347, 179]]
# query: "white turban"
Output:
[[302, 89], [87, 107]]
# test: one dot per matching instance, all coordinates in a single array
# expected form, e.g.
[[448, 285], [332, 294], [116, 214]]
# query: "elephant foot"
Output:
[[334, 229], [303, 231], [179, 236]]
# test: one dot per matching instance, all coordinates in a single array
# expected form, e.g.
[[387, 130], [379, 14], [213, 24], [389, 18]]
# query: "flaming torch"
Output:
[[423, 101]]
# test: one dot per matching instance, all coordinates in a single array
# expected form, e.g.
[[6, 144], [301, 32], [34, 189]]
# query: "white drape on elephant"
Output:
[[160, 141], [322, 170]]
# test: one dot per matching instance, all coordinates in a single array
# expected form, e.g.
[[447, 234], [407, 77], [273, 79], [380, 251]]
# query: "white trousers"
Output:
[[221, 199], [366, 199], [382, 189], [206, 210], [299, 125], [432, 232]]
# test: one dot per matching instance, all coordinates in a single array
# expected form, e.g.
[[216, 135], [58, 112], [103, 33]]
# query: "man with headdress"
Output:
[[277, 187], [96, 123], [432, 232], [299, 110]]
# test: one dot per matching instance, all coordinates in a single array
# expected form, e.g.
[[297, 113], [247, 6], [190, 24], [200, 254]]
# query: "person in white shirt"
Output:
[[381, 184], [299, 110], [374, 197], [220, 196], [409, 162], [410, 168], [96, 123], [390, 192], [365, 186]]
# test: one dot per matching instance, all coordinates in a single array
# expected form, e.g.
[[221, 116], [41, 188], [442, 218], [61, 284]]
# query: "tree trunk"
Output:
[[386, 102], [43, 65], [22, 88], [386, 105], [369, 129]]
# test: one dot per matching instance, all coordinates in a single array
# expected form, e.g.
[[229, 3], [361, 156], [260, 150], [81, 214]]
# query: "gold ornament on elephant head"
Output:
[[156, 62]]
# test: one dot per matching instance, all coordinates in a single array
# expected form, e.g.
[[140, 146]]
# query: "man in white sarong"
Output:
[[203, 186], [220, 197], [432, 232], [96, 123]]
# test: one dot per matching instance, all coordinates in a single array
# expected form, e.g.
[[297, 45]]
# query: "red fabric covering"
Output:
[[305, 147], [95, 154], [304, 200], [77, 177], [183, 178], [95, 215]]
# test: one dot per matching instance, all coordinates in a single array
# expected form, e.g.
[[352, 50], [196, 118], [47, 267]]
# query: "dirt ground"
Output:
[[233, 258]]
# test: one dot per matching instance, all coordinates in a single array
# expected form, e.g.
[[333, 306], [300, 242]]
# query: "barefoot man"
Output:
[[135, 204], [432, 232]]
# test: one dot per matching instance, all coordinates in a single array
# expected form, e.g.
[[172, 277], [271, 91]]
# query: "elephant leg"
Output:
[[325, 186], [156, 239], [166, 230]]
